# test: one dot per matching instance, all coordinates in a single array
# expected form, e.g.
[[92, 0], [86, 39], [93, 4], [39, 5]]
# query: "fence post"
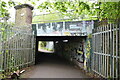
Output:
[[118, 64], [111, 51]]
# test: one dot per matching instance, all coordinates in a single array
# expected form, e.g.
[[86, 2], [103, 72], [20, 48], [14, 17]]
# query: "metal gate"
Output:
[[106, 50], [16, 48]]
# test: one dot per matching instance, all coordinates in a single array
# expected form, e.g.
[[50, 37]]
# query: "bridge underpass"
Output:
[[62, 45], [57, 64], [100, 48], [69, 48]]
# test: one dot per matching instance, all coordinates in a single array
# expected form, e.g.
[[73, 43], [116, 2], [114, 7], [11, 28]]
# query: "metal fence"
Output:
[[106, 50], [16, 47]]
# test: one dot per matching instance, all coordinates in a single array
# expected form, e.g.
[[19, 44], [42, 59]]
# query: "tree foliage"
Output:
[[4, 6], [71, 9], [108, 10], [79, 9]]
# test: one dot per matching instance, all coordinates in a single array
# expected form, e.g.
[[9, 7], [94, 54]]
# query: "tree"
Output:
[[108, 10], [71, 9], [81, 10], [4, 14]]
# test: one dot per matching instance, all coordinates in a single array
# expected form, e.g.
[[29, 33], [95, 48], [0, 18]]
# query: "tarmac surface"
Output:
[[52, 66]]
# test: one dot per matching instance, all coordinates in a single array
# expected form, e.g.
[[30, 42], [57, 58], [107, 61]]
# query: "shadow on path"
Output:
[[52, 66]]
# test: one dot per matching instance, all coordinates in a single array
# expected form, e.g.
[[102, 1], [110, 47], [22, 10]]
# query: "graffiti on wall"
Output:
[[77, 52], [88, 53], [73, 28]]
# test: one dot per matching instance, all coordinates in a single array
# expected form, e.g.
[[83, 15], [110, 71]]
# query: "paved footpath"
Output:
[[51, 66]]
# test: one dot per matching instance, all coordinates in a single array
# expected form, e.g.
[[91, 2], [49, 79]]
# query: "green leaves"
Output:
[[4, 6], [108, 10], [11, 3], [78, 9], [71, 9], [2, 29], [2, 9]]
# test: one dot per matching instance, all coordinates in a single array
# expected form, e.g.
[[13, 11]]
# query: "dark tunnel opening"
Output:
[[64, 46]]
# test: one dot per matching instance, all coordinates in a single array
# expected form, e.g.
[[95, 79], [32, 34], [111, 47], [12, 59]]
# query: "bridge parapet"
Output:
[[73, 28]]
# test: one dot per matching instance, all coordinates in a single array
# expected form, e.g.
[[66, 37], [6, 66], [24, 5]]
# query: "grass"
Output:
[[44, 48]]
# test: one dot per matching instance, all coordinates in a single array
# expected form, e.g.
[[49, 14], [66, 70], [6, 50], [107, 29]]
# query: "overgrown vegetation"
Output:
[[108, 10], [70, 9], [78, 9], [5, 33]]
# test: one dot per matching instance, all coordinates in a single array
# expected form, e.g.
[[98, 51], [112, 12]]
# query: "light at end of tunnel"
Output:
[[65, 40], [56, 42]]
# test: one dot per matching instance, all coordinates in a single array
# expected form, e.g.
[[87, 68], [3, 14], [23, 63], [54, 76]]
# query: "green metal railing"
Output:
[[106, 50], [16, 48]]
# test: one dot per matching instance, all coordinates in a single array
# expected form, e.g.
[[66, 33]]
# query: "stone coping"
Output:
[[24, 6]]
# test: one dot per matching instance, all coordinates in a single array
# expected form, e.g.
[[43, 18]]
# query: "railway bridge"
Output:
[[58, 49]]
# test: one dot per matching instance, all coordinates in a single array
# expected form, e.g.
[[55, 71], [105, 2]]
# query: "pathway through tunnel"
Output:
[[52, 66]]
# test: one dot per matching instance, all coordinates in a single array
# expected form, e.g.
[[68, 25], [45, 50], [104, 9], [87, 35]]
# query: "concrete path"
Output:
[[42, 50], [51, 66]]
